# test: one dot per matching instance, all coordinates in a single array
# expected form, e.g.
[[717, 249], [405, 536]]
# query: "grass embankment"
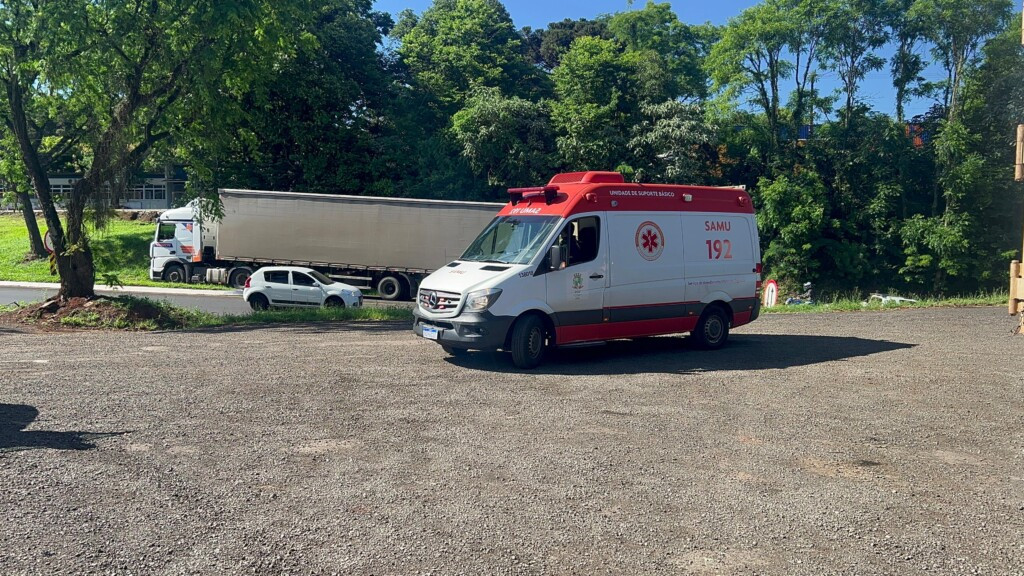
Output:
[[120, 250], [853, 304], [133, 313]]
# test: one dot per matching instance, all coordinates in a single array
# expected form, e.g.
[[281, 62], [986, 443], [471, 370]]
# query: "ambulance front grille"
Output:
[[439, 302]]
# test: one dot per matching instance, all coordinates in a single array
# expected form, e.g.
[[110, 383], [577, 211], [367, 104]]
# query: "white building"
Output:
[[148, 192]]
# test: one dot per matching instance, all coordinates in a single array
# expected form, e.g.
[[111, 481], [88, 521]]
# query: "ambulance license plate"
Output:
[[430, 333]]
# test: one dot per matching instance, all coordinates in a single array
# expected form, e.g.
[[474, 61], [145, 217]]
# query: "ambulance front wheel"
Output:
[[528, 342], [712, 329]]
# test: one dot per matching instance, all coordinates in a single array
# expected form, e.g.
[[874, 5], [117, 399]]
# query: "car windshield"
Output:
[[511, 239], [320, 277]]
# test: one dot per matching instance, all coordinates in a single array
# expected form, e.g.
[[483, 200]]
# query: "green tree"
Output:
[[458, 45], [857, 29], [545, 46], [957, 29], [792, 215], [656, 32], [750, 59], [906, 65], [671, 143], [310, 125], [117, 81], [599, 89], [507, 140]]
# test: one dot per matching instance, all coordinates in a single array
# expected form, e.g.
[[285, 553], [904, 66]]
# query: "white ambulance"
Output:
[[590, 258]]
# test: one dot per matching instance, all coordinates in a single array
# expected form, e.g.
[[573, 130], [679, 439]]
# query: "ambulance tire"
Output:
[[175, 273], [712, 330], [528, 344]]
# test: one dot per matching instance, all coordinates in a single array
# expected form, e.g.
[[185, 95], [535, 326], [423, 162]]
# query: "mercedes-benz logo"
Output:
[[432, 299]]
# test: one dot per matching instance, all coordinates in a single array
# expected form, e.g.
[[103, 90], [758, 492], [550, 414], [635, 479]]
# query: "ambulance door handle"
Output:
[[596, 276]]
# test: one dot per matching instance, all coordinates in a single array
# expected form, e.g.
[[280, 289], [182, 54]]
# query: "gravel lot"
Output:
[[865, 443]]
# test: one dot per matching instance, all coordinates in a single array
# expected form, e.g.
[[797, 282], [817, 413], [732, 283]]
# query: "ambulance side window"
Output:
[[581, 238]]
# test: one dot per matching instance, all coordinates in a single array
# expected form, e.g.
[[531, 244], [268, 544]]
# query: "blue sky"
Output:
[[875, 90]]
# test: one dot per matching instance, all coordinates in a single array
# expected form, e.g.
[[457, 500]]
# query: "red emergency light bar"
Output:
[[516, 195]]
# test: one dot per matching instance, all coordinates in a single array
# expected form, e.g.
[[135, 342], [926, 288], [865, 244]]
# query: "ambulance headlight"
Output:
[[482, 299]]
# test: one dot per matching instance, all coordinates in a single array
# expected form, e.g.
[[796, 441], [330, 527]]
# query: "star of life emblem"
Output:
[[650, 241]]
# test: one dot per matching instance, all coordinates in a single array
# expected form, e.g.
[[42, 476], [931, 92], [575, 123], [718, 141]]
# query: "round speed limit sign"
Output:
[[48, 242]]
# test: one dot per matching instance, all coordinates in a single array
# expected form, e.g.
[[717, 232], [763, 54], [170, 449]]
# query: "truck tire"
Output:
[[391, 288], [528, 344], [175, 273], [238, 276], [258, 302], [712, 330]]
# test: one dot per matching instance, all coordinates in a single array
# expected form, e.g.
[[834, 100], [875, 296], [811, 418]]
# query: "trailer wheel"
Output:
[[258, 302], [712, 329], [238, 276], [175, 273], [528, 345], [390, 288]]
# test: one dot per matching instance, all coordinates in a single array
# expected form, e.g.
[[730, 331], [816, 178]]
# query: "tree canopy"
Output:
[[456, 102]]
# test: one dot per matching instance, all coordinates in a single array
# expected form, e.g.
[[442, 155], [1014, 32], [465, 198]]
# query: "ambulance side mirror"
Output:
[[555, 257]]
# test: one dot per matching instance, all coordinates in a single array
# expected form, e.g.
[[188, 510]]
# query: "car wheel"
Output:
[[452, 351], [334, 302], [390, 288], [258, 302], [712, 330], [528, 343], [175, 273]]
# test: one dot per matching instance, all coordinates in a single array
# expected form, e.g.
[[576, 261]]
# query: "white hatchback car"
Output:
[[297, 286]]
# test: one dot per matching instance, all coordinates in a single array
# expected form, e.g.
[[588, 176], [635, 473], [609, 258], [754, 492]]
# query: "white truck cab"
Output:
[[589, 258], [176, 245]]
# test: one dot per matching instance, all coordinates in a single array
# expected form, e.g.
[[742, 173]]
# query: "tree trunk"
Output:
[[35, 240], [77, 274]]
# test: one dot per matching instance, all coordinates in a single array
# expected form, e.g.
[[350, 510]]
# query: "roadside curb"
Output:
[[128, 289]]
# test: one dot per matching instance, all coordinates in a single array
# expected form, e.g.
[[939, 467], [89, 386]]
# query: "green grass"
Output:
[[298, 316], [120, 249], [854, 304]]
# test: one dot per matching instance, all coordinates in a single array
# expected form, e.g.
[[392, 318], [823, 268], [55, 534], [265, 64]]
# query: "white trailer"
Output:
[[383, 244]]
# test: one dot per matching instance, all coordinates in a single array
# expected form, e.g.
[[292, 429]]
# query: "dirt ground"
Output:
[[859, 443]]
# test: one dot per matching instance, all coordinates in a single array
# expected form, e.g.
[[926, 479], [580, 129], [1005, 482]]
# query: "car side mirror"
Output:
[[555, 257]]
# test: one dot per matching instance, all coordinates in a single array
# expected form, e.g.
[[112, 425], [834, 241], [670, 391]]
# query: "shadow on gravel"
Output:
[[13, 436], [319, 327], [674, 355]]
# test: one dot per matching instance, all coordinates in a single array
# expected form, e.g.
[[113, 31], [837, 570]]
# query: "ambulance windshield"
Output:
[[511, 239]]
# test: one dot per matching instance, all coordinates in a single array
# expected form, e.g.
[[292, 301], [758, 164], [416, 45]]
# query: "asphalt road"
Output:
[[814, 444], [230, 303]]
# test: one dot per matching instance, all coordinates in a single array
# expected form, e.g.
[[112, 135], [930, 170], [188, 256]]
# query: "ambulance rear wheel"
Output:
[[528, 345], [712, 329]]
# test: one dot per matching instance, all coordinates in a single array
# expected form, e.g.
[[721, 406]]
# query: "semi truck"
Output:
[[382, 244]]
